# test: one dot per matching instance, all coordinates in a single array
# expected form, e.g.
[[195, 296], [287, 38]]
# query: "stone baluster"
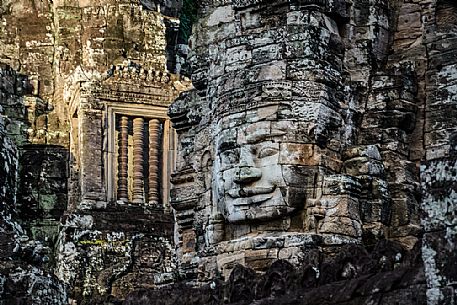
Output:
[[154, 136], [122, 189], [138, 177]]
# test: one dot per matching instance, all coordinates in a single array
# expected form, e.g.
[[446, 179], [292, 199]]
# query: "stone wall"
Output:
[[309, 83], [24, 276], [438, 171], [8, 169], [106, 253], [316, 151], [77, 60], [352, 277], [372, 85]]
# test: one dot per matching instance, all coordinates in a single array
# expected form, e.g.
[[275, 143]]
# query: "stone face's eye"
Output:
[[267, 152], [229, 158]]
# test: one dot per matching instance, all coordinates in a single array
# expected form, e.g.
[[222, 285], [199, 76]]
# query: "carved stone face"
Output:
[[251, 168], [277, 108], [272, 116]]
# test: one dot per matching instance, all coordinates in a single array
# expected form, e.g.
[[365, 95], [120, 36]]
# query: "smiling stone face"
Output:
[[279, 95], [251, 169]]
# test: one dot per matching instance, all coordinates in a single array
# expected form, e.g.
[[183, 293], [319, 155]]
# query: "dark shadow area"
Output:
[[42, 191], [29, 175], [389, 274], [178, 33]]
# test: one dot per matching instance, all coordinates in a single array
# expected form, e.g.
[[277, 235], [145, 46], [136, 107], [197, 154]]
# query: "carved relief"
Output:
[[273, 110]]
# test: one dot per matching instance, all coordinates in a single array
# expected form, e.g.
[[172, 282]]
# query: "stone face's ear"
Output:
[[185, 111], [215, 231], [296, 198]]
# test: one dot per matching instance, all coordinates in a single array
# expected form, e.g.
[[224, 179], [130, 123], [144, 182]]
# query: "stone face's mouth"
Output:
[[250, 191], [257, 199], [251, 195]]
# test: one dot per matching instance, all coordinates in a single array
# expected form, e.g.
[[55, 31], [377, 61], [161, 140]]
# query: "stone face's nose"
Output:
[[246, 175]]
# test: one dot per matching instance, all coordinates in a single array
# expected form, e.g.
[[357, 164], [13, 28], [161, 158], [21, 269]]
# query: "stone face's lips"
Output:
[[257, 199], [250, 191]]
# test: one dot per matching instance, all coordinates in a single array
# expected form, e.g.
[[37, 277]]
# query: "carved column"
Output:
[[122, 190], [154, 136], [138, 177]]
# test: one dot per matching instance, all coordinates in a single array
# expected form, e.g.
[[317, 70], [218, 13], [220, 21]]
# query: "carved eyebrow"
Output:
[[257, 137], [267, 151]]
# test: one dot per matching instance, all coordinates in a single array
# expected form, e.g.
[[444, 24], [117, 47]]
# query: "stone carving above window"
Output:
[[122, 144]]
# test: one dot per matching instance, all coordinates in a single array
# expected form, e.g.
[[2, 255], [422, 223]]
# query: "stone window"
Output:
[[139, 155]]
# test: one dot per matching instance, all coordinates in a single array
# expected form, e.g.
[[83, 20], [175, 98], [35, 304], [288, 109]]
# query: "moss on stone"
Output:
[[48, 202], [96, 242]]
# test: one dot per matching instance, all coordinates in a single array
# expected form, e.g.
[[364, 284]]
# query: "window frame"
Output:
[[168, 146]]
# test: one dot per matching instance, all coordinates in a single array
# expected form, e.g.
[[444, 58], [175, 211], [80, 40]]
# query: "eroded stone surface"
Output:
[[273, 121], [384, 276], [307, 124], [301, 139], [25, 277], [77, 59]]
